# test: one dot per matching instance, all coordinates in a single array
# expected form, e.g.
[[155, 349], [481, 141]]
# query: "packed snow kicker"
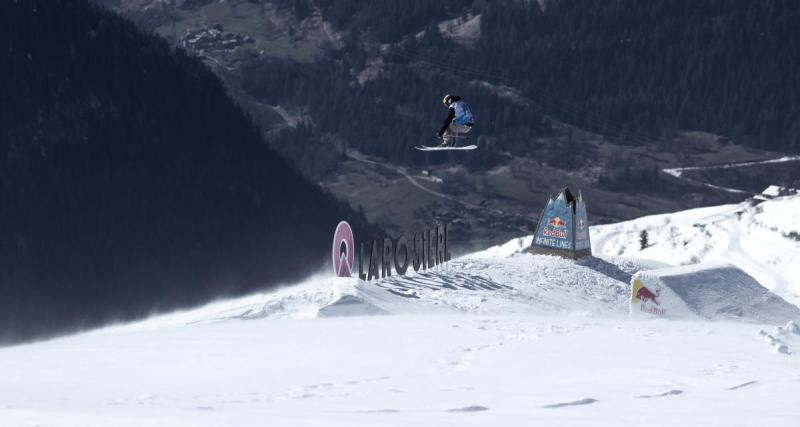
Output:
[[763, 239], [498, 337], [714, 291]]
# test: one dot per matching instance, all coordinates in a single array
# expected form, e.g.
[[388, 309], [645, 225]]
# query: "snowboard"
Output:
[[463, 148]]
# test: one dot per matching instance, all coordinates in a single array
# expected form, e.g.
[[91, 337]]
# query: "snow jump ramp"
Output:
[[714, 291]]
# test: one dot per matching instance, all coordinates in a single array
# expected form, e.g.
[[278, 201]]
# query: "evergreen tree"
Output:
[[643, 240]]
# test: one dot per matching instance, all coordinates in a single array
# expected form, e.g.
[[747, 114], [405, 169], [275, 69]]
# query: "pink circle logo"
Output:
[[343, 250]]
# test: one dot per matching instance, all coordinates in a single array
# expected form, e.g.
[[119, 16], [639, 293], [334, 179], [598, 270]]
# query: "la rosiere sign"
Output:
[[420, 250]]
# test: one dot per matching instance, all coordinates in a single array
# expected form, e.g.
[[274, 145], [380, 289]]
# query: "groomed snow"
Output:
[[510, 282], [402, 370], [497, 338]]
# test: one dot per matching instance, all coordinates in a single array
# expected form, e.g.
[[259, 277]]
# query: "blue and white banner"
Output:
[[555, 228], [582, 241]]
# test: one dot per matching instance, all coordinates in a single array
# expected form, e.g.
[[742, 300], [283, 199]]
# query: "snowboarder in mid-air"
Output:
[[459, 120]]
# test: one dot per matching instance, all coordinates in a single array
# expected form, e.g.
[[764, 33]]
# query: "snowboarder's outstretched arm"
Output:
[[451, 114]]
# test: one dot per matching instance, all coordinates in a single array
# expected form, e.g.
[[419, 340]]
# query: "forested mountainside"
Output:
[[595, 94], [131, 182], [627, 69], [631, 71]]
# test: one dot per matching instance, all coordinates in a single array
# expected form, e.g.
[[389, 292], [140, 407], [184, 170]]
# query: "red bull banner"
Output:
[[646, 300], [582, 241], [555, 227], [563, 227]]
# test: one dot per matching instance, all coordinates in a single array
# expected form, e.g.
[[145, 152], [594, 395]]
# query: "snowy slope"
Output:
[[502, 280], [420, 370], [763, 240], [500, 337]]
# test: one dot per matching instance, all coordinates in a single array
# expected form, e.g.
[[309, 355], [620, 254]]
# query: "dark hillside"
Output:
[[632, 87], [633, 71], [130, 181]]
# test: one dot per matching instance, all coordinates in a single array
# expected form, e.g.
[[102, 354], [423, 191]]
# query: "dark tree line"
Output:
[[633, 69], [386, 21], [130, 181], [389, 115], [630, 70]]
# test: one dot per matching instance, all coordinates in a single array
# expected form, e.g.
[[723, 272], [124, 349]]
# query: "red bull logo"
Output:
[[343, 250], [642, 296], [640, 293], [653, 310], [645, 295], [561, 234], [582, 233], [555, 228]]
